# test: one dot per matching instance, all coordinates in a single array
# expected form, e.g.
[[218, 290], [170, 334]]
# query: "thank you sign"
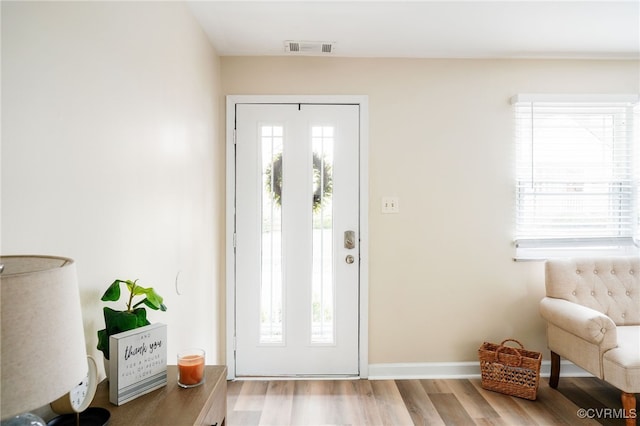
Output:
[[138, 362]]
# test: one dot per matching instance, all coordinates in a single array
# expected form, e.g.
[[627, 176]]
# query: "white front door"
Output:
[[297, 239]]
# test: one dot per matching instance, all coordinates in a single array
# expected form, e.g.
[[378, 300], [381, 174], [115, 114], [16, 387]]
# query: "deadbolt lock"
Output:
[[349, 240]]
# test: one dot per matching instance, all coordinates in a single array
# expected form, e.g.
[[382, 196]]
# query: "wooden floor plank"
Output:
[[496, 421], [543, 414], [278, 403], [310, 402], [392, 408], [244, 418], [420, 407], [251, 395], [368, 402], [505, 406], [235, 416], [233, 390], [472, 401], [350, 404], [562, 409], [435, 385], [450, 409]]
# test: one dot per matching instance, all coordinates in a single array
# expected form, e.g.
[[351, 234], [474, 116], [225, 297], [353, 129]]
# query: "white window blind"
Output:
[[576, 175]]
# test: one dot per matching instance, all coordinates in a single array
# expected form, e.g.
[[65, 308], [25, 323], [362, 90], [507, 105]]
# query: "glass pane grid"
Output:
[[271, 287], [322, 291]]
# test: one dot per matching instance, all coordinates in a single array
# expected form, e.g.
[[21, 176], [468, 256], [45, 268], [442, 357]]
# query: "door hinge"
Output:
[[235, 240], [235, 136]]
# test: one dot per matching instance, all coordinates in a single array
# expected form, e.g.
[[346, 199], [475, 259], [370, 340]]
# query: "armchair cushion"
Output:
[[622, 365]]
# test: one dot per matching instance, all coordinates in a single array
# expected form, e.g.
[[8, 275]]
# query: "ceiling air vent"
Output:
[[309, 47]]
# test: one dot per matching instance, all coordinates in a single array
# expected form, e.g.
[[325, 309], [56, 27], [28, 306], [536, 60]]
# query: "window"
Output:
[[576, 175]]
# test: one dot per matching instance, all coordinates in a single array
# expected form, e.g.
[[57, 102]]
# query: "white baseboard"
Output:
[[455, 370]]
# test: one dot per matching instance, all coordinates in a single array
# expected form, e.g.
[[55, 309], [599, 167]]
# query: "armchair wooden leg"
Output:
[[555, 370], [629, 405]]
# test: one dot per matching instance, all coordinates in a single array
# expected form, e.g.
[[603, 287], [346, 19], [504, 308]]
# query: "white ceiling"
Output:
[[427, 29]]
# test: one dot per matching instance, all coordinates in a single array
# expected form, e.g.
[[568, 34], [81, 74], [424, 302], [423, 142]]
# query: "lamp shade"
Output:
[[43, 347]]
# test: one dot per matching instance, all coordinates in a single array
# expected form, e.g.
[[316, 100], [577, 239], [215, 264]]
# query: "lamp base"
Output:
[[92, 416], [26, 419]]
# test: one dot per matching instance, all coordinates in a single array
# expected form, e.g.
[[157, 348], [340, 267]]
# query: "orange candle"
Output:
[[190, 368]]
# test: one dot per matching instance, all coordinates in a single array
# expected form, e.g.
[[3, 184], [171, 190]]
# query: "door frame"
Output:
[[363, 102]]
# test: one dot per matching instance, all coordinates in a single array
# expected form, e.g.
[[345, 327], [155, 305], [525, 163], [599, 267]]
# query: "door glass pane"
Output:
[[322, 291], [271, 309]]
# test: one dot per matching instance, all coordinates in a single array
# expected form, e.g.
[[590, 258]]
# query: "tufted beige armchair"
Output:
[[592, 308]]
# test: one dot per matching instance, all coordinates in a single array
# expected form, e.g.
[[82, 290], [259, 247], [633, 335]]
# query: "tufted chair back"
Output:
[[610, 285]]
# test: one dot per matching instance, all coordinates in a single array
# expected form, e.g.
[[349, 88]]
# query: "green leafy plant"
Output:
[[133, 317]]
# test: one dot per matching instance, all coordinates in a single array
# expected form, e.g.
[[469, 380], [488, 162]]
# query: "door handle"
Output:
[[349, 240]]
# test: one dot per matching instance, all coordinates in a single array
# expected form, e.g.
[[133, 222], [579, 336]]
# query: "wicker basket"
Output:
[[508, 370]]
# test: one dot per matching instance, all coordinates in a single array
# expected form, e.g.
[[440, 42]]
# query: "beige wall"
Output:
[[441, 276], [110, 154]]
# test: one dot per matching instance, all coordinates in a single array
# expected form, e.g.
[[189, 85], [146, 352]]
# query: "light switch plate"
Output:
[[390, 205]]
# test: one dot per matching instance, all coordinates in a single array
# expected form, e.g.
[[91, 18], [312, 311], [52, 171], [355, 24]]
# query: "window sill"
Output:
[[543, 253]]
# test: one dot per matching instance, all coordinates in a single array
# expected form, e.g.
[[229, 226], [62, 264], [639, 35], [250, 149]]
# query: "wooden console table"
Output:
[[172, 405]]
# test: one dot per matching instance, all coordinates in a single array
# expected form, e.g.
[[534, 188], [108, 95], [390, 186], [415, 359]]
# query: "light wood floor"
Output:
[[415, 402]]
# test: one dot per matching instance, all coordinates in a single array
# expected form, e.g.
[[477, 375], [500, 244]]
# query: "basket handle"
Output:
[[517, 352], [512, 340]]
